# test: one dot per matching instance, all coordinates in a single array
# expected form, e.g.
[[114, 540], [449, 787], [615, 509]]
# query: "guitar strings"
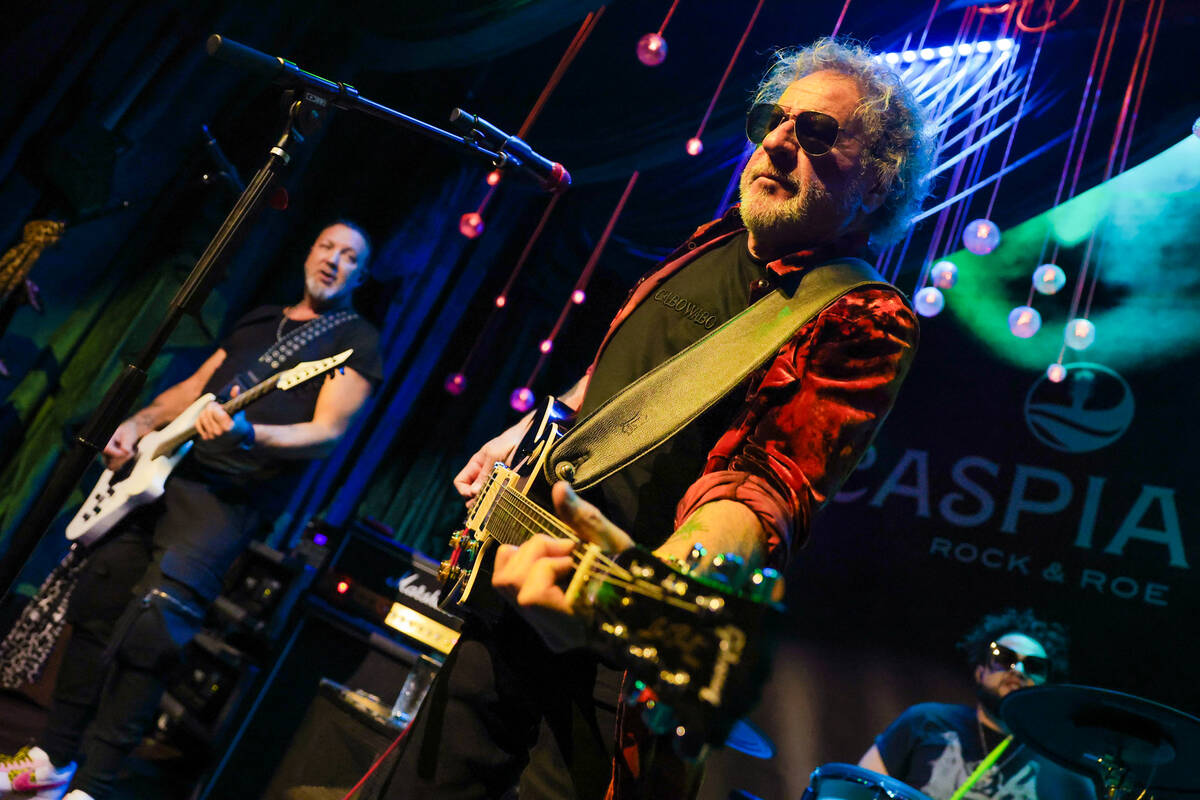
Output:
[[527, 516], [522, 510], [525, 510]]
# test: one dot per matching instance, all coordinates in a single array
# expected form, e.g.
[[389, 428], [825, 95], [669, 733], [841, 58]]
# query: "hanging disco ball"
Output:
[[1080, 334], [929, 301], [694, 146], [1024, 321], [944, 274], [521, 399], [455, 383], [652, 49], [981, 236], [470, 224], [1056, 372], [1049, 278]]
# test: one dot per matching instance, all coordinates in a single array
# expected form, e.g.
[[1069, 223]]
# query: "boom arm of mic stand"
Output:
[[343, 96]]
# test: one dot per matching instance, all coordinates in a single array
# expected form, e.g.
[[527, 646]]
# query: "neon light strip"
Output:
[[965, 192]]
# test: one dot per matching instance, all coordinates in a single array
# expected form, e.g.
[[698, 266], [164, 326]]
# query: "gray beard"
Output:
[[783, 225], [324, 298]]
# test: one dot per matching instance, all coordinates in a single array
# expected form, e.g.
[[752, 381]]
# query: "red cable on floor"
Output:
[[378, 761]]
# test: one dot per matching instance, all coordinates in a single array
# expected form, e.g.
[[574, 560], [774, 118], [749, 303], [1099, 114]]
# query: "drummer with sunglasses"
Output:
[[939, 748]]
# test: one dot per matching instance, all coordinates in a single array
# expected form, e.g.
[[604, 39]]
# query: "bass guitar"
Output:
[[695, 642], [141, 479]]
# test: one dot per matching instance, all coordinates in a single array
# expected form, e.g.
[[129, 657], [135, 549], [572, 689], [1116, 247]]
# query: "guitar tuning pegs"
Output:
[[726, 568], [694, 557], [762, 584]]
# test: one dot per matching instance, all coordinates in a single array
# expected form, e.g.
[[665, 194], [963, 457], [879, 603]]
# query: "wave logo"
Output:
[[1089, 409]]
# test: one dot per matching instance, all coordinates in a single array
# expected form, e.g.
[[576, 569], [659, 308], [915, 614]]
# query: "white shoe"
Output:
[[30, 770], [78, 794]]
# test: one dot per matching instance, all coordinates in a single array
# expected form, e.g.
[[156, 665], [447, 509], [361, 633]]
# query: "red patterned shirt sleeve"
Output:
[[810, 416]]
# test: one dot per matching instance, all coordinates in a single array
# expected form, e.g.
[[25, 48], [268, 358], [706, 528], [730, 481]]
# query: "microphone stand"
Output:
[[311, 97]]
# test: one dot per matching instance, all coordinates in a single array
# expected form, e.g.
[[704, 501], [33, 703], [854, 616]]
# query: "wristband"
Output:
[[247, 441]]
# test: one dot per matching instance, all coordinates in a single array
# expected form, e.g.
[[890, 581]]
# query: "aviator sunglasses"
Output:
[[815, 131], [1036, 668]]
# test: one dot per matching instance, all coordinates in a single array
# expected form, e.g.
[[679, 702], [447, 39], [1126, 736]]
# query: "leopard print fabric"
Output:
[[25, 649]]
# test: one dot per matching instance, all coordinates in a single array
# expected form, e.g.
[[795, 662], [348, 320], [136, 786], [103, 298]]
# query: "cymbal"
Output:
[[748, 738], [1075, 725]]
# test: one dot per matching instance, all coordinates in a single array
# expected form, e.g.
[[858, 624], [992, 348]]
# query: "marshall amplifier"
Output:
[[371, 576]]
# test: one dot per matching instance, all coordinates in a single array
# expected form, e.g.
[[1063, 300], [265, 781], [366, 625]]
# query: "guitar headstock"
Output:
[[695, 644], [310, 369]]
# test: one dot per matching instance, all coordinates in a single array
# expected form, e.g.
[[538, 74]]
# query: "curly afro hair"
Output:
[[1052, 635]]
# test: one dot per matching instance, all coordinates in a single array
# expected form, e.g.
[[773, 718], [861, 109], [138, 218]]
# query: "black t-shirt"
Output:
[[934, 747], [713, 288], [254, 334]]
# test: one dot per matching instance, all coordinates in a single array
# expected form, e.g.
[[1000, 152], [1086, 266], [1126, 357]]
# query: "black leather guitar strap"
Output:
[[652, 409]]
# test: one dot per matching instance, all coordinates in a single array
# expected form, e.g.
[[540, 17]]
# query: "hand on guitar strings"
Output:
[[219, 430], [533, 576]]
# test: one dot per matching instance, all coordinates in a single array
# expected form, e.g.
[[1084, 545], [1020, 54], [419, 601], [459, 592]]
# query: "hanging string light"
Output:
[[945, 274], [1141, 63], [1080, 332], [1024, 321], [695, 145], [471, 224], [981, 236], [457, 381], [1049, 278], [1141, 88], [969, 161], [929, 302], [837, 26], [652, 48], [523, 394]]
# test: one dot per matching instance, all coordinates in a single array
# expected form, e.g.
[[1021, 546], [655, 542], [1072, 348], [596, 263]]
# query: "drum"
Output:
[[848, 782]]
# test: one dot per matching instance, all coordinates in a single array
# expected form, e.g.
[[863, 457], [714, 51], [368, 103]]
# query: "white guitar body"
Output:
[[109, 502], [142, 480]]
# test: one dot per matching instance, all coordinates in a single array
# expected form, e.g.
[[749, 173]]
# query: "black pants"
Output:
[[140, 598], [505, 712]]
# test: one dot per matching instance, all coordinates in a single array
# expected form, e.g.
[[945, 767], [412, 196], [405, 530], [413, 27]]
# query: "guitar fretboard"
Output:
[[515, 518]]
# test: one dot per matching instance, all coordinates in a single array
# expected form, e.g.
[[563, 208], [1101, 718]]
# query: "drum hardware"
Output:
[[747, 738], [1135, 746], [850, 782]]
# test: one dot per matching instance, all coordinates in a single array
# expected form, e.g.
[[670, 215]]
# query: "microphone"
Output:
[[273, 68], [552, 175], [478, 133], [228, 170]]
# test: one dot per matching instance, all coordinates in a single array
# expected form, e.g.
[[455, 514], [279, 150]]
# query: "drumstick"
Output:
[[983, 767]]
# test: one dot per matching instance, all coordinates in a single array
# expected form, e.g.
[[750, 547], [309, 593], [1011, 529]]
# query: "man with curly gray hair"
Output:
[[841, 150], [857, 154]]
